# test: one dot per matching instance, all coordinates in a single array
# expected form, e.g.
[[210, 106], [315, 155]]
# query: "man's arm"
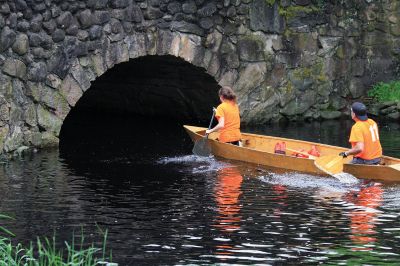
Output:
[[359, 147]]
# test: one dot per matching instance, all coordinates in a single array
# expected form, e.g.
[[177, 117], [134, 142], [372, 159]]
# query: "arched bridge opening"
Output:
[[138, 106]]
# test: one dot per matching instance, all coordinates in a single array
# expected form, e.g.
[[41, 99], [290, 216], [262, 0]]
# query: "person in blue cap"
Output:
[[364, 137]]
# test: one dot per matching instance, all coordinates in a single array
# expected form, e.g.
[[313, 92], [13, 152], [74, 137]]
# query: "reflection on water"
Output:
[[363, 220], [227, 192], [164, 206]]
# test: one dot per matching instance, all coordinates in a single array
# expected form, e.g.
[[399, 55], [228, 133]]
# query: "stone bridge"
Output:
[[286, 59]]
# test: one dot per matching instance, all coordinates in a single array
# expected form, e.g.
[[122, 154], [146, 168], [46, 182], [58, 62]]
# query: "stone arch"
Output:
[[186, 46], [84, 70]]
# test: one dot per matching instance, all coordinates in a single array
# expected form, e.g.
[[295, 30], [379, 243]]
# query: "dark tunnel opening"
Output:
[[139, 107], [152, 86]]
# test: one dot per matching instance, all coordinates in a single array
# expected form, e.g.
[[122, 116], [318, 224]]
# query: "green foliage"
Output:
[[45, 253], [2, 229], [270, 2], [386, 91]]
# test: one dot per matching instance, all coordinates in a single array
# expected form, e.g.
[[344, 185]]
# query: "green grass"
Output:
[[4, 230], [43, 252], [383, 92]]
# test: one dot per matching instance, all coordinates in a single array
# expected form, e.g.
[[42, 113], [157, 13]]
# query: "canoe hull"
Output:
[[258, 149]]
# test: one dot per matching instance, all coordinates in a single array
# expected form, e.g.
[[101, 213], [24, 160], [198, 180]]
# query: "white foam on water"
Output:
[[185, 159], [305, 181], [197, 164], [213, 166], [346, 178]]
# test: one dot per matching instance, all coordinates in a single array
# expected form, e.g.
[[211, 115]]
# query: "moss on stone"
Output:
[[270, 2], [293, 11], [302, 73], [287, 33], [314, 72], [289, 87]]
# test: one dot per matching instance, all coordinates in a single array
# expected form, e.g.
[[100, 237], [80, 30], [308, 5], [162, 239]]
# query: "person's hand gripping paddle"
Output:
[[201, 146]]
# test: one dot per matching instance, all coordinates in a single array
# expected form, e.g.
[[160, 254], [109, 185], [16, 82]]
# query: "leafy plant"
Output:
[[270, 2], [2, 229], [386, 91], [44, 252]]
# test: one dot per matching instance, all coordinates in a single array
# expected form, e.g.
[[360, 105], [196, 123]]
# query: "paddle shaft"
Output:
[[212, 120]]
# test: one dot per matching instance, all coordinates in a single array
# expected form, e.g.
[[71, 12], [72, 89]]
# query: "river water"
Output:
[[162, 205]]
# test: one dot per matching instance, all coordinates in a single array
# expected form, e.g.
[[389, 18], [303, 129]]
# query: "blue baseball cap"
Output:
[[360, 110]]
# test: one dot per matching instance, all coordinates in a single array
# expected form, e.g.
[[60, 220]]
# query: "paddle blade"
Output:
[[202, 147], [346, 178], [330, 164]]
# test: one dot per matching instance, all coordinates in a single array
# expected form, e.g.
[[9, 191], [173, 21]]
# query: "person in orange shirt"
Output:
[[364, 137], [228, 117]]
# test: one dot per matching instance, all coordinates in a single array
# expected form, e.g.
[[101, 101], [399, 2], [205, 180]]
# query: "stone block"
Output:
[[65, 20], [357, 88], [299, 105], [29, 115], [328, 115], [3, 135], [48, 120], [48, 140], [186, 27], [250, 48], [21, 44], [71, 90], [14, 68], [14, 139], [251, 76], [266, 18], [7, 38]]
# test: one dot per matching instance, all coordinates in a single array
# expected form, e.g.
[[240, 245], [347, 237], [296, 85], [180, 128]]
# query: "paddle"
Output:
[[201, 146], [333, 165]]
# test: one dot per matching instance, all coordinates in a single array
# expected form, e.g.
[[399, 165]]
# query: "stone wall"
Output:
[[299, 59]]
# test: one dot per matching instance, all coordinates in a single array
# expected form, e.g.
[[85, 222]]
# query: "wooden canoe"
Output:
[[259, 149]]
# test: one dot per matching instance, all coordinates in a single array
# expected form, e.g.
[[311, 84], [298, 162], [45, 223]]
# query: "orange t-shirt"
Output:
[[231, 130], [366, 132]]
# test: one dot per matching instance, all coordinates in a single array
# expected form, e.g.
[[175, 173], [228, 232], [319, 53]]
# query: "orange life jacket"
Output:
[[314, 151]]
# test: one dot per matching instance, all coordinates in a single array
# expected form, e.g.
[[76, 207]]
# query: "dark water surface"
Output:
[[163, 206]]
